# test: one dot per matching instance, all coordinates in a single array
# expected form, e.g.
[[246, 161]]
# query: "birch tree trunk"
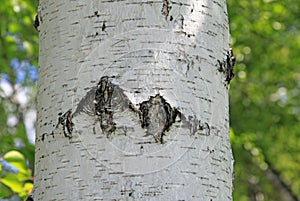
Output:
[[133, 101]]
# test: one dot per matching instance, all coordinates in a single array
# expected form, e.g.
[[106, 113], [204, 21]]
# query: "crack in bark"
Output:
[[226, 66]]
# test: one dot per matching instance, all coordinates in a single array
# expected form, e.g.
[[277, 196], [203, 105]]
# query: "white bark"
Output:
[[163, 55]]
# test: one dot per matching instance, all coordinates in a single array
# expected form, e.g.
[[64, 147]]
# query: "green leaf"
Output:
[[17, 159], [12, 181], [5, 191]]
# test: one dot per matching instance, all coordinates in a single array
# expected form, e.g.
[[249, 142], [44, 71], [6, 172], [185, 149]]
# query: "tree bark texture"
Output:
[[133, 101]]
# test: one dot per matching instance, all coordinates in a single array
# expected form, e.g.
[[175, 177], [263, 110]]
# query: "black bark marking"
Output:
[[30, 198], [103, 26], [96, 13], [166, 8], [36, 23], [206, 128], [66, 121], [209, 150], [103, 110], [226, 66], [157, 116], [43, 136], [93, 35]]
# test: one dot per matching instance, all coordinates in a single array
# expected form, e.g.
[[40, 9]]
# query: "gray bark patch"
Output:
[[195, 125], [86, 104]]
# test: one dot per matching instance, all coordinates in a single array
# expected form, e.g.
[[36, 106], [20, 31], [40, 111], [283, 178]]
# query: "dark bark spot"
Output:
[[36, 23], [30, 198], [96, 13], [43, 136], [66, 121], [157, 116], [103, 110], [166, 8], [226, 66], [103, 26]]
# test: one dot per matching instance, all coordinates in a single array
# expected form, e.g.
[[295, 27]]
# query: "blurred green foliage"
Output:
[[18, 37], [18, 182], [19, 41], [264, 98]]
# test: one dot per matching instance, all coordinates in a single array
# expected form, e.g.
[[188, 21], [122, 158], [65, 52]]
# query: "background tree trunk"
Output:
[[133, 101]]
